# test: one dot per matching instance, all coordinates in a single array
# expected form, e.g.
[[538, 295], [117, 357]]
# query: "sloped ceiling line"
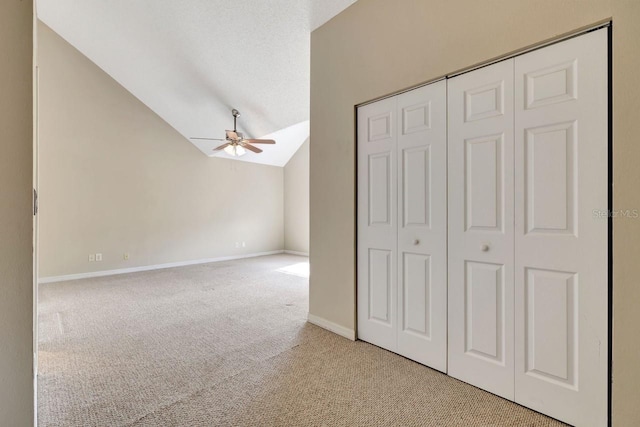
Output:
[[192, 61]]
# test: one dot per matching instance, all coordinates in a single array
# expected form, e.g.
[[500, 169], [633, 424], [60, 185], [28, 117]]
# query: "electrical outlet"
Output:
[[98, 257], [244, 244], [237, 244], [92, 257], [126, 256]]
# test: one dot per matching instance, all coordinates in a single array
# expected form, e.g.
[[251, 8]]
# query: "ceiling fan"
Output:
[[236, 143]]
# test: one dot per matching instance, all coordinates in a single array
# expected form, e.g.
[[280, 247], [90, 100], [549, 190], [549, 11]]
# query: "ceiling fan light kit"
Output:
[[236, 145], [235, 150]]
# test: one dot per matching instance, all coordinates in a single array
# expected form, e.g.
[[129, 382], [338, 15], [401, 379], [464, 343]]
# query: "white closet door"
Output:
[[481, 228], [377, 224], [561, 246], [422, 225]]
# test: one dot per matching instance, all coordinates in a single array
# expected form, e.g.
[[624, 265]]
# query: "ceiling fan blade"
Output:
[[251, 148], [221, 147], [232, 135], [209, 139], [260, 141]]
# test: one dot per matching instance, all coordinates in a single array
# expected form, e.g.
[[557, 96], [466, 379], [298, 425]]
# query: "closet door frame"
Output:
[[608, 24]]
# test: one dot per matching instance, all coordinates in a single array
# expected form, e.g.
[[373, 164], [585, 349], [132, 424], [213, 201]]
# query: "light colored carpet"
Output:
[[226, 344]]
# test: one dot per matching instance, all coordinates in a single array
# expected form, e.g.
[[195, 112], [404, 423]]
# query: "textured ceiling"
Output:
[[192, 61]]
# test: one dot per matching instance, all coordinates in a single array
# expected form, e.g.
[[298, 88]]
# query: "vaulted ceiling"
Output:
[[192, 61]]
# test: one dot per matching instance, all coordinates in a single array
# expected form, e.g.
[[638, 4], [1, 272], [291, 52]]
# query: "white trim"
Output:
[[333, 327], [53, 279], [296, 253]]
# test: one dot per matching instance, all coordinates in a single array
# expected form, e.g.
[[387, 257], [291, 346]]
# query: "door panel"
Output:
[[483, 167], [377, 224], [380, 204], [561, 287], [380, 286], [416, 181], [553, 292], [484, 311], [549, 166], [416, 295], [422, 230], [480, 302]]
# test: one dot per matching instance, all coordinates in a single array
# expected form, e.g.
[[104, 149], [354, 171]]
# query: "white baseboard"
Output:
[[333, 327], [52, 279], [296, 253]]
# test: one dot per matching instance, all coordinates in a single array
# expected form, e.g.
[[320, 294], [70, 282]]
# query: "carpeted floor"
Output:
[[226, 344]]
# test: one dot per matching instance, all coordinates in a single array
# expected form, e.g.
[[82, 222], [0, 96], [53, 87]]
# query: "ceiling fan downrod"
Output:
[[235, 113]]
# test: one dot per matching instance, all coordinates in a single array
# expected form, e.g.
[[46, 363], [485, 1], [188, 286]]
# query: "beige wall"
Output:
[[16, 262], [296, 201], [116, 178], [377, 47]]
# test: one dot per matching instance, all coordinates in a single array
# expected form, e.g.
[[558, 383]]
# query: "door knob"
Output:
[[416, 242], [484, 248]]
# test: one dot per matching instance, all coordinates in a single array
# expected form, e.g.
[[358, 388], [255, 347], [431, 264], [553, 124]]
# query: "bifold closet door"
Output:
[[521, 183], [481, 228], [422, 225], [561, 288], [377, 224], [402, 217]]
